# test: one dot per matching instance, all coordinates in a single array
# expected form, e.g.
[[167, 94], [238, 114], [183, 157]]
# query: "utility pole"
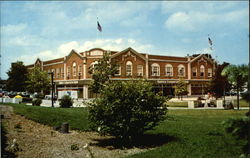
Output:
[[52, 86]]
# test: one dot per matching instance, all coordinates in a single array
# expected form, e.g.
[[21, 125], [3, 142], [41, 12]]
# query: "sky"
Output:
[[51, 29]]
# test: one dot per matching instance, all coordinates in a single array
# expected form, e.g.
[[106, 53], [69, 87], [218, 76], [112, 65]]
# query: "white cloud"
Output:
[[65, 48], [13, 29]]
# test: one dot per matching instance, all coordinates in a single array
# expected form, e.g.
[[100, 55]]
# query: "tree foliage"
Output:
[[126, 109], [66, 102], [17, 77], [38, 81], [180, 88], [219, 83], [101, 72], [237, 75]]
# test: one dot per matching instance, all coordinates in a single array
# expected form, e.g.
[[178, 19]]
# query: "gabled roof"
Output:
[[201, 55], [38, 61], [71, 53], [131, 50]]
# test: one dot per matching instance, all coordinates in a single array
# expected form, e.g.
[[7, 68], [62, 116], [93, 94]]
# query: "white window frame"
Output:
[[74, 69], [194, 69], [181, 67], [62, 72], [155, 69], [119, 69], [139, 70], [68, 71], [169, 70], [129, 68], [209, 72], [79, 70], [202, 70]]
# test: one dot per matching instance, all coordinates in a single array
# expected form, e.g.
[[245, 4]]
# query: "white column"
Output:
[[85, 92], [84, 68], [147, 66], [189, 68], [189, 89], [64, 69]]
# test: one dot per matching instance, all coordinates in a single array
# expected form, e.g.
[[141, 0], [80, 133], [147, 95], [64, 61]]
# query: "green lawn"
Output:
[[197, 133], [76, 117], [186, 133]]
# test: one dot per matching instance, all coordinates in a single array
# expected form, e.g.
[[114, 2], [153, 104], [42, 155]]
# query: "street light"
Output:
[[52, 85]]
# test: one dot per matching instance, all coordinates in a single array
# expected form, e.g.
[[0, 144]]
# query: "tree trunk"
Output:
[[238, 98]]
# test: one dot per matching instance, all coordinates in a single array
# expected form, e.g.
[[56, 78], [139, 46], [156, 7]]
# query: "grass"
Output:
[[198, 133], [243, 103], [186, 133], [76, 117]]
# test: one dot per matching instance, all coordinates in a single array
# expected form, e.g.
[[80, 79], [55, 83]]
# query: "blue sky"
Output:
[[32, 29]]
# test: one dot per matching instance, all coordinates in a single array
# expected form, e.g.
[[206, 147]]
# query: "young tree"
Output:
[[219, 84], [101, 72], [17, 77], [126, 109], [38, 81], [180, 88], [237, 76]]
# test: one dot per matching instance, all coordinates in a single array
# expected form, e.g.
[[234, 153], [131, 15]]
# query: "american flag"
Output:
[[99, 27], [210, 41]]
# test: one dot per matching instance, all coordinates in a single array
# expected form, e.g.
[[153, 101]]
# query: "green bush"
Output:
[[37, 102], [126, 109], [66, 102], [239, 128]]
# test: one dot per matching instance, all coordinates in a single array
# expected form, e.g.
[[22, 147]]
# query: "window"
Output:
[[202, 71], [74, 68], [194, 71], [118, 72], [62, 73], [139, 70], [53, 71], [68, 72], [92, 66], [79, 71], [181, 70], [169, 70], [129, 68], [209, 72], [155, 69], [58, 72]]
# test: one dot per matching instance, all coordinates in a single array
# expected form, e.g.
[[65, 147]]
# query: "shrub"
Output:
[[66, 102], [126, 109], [239, 128], [37, 102], [27, 100]]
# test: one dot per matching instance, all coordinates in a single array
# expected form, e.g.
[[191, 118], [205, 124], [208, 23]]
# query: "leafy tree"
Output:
[[17, 77], [38, 81], [101, 73], [219, 83], [237, 76], [180, 88], [126, 109]]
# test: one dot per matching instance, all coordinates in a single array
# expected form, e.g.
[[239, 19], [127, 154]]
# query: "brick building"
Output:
[[71, 72]]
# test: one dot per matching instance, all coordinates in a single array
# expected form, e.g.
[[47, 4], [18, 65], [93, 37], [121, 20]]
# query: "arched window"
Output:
[[119, 70], [209, 72], [129, 68], [202, 71], [181, 70], [169, 70], [74, 68], [92, 66], [155, 69], [194, 71], [139, 70]]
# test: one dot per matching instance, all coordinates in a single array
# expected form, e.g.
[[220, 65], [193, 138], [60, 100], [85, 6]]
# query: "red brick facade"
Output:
[[71, 72]]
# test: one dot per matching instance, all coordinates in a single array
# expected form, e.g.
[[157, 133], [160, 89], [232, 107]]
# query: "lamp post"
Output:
[[52, 85]]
